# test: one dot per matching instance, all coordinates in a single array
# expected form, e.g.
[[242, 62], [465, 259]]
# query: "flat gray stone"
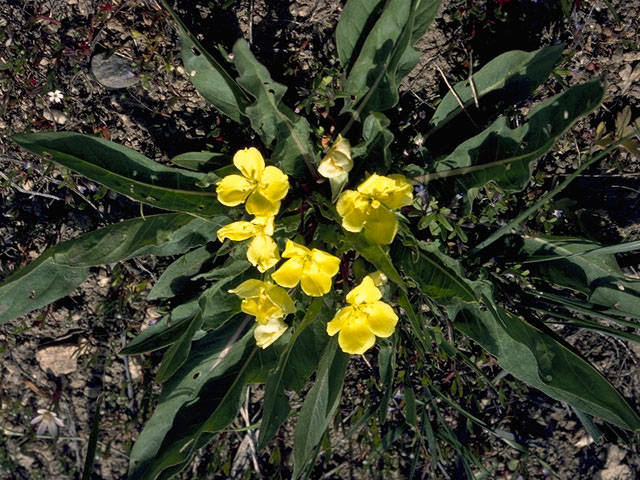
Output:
[[113, 72]]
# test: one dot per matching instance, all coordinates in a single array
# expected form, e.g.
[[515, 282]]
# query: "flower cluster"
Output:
[[371, 205], [364, 319], [369, 208], [262, 189]]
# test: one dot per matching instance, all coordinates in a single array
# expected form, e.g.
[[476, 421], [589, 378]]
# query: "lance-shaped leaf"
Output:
[[377, 139], [296, 364], [208, 74], [164, 332], [281, 130], [202, 161], [597, 276], [180, 273], [387, 53], [505, 155], [357, 19], [211, 358], [377, 255], [216, 303], [539, 360], [61, 268], [433, 273], [125, 171], [505, 80], [319, 406], [178, 353], [387, 370], [204, 397]]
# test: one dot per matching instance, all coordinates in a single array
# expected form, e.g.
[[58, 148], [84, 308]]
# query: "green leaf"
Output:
[[377, 139], [201, 161], [505, 155], [60, 269], [217, 304], [319, 405], [92, 444], [164, 332], [357, 19], [213, 360], [376, 255], [281, 130], [597, 276], [125, 171], [433, 273], [215, 402], [40, 283], [296, 364], [208, 75], [387, 53], [387, 370], [180, 273], [503, 81], [597, 250], [410, 406], [539, 360], [179, 350]]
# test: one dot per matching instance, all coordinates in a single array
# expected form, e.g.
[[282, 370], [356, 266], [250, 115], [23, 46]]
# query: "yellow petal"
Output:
[[329, 169], [261, 206], [237, 231], [249, 288], [326, 263], [337, 162], [263, 252], [355, 337], [366, 292], [265, 224], [267, 310], [293, 249], [381, 225], [274, 184], [232, 190], [394, 191], [268, 333], [381, 318], [352, 207], [280, 297], [339, 321], [288, 275], [250, 162], [251, 306], [341, 149], [401, 194], [314, 282]]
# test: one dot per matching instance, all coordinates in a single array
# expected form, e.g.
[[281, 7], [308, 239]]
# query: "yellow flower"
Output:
[[337, 162], [268, 333], [263, 251], [266, 301], [371, 206], [365, 318], [261, 187], [314, 269]]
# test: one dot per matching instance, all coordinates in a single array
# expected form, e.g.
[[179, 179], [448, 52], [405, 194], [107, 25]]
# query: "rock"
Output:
[[24, 461], [613, 469], [617, 472], [113, 72], [60, 359], [55, 115]]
